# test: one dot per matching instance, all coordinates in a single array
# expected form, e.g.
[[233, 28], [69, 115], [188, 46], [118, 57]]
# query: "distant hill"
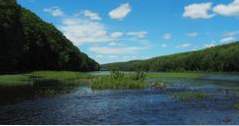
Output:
[[28, 43], [223, 58]]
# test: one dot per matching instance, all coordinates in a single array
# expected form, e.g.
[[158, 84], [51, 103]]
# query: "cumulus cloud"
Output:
[[167, 36], [84, 31], [198, 11], [192, 34], [120, 12], [54, 11], [231, 9]]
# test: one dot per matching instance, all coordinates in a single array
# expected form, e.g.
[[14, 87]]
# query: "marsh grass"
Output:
[[119, 80], [236, 106], [159, 85], [186, 75], [14, 80], [32, 78], [60, 75], [190, 96]]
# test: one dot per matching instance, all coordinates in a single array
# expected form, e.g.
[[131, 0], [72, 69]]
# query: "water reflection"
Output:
[[39, 88]]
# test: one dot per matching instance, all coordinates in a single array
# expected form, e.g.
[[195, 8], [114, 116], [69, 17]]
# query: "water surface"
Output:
[[81, 105]]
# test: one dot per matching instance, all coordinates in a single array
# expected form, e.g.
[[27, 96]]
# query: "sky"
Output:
[[122, 30]]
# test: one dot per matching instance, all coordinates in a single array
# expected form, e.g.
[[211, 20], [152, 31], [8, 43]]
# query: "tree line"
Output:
[[222, 58]]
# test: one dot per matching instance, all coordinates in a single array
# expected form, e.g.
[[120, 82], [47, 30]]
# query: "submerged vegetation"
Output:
[[120, 80], [189, 96], [223, 58]]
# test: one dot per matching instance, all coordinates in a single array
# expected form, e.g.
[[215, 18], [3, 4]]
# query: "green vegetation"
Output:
[[175, 75], [60, 76], [119, 80], [37, 77], [189, 96], [27, 43], [223, 58], [236, 106], [14, 80], [159, 85]]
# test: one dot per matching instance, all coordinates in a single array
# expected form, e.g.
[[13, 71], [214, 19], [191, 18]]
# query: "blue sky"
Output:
[[122, 30]]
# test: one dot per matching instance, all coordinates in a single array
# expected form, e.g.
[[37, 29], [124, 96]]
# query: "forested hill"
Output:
[[223, 58], [27, 43]]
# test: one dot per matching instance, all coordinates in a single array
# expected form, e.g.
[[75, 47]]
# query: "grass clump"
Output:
[[236, 106], [14, 80], [159, 85], [189, 96], [119, 80]]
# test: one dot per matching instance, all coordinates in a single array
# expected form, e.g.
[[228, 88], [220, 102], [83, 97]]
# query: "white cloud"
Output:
[[185, 45], [167, 36], [120, 12], [54, 11], [192, 34], [116, 50], [210, 45], [92, 15], [117, 34], [141, 34], [198, 11], [84, 31], [232, 9], [228, 39], [229, 34]]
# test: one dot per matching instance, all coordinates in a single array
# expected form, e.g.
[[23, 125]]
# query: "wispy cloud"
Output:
[[54, 11], [167, 36], [184, 45], [141, 34], [116, 50], [192, 34]]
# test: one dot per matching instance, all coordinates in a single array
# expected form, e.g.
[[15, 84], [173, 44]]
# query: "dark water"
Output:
[[81, 105]]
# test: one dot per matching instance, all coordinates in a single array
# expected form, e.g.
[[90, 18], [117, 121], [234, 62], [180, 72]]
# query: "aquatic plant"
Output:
[[159, 85], [236, 106], [118, 80], [189, 96]]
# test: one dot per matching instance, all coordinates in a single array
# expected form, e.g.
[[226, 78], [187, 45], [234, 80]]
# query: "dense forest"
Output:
[[28, 43], [222, 58]]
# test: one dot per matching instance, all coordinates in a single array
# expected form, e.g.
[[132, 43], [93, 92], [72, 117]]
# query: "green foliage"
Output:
[[139, 75], [27, 43], [14, 80], [189, 96], [236, 106], [118, 80], [189, 75], [60, 75], [223, 58]]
